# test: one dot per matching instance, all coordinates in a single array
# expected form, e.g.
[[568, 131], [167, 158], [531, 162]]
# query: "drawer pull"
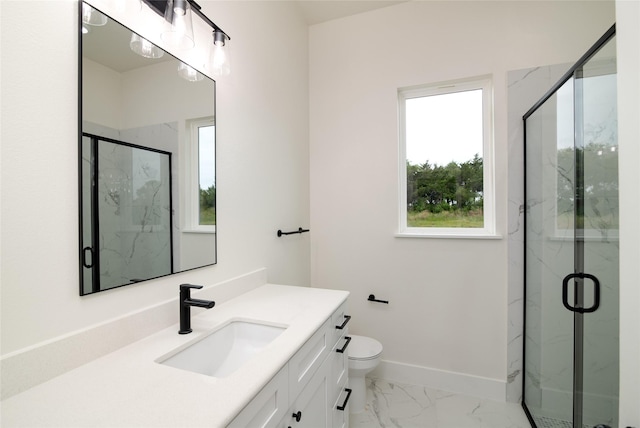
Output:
[[346, 400], [346, 320], [297, 416], [344, 347]]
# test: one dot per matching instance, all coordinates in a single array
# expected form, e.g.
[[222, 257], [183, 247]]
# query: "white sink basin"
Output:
[[224, 350]]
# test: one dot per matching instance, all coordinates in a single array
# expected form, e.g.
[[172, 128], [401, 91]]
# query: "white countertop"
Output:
[[128, 388]]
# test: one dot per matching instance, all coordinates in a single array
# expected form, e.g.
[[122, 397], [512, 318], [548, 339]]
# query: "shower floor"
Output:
[[545, 422]]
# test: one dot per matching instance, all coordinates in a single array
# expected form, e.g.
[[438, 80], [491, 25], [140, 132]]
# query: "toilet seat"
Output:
[[364, 348]]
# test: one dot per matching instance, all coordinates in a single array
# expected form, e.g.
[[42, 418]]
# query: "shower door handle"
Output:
[[596, 292], [85, 263]]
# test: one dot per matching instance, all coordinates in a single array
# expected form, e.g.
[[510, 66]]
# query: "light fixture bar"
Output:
[[159, 6]]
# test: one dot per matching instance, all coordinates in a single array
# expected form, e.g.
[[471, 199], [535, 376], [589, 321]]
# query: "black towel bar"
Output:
[[300, 230]]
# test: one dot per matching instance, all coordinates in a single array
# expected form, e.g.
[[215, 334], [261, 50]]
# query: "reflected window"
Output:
[[597, 152], [202, 159]]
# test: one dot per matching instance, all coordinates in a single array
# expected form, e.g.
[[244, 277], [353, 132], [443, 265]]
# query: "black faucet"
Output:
[[185, 306]]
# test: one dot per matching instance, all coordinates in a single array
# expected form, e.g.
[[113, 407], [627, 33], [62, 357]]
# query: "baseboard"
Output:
[[36, 364], [461, 383]]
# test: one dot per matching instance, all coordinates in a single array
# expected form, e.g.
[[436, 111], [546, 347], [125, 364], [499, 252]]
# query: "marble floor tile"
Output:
[[393, 405]]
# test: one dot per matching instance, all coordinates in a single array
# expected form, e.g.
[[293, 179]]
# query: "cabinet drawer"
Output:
[[340, 318], [268, 407], [308, 359], [339, 371], [340, 410]]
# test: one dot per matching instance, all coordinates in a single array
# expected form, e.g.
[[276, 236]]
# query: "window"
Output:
[[446, 159], [201, 199]]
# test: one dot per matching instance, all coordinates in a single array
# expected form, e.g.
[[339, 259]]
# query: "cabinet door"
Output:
[[304, 364], [312, 409], [268, 407]]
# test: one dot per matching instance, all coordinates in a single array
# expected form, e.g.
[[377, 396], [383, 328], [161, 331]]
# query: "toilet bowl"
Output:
[[364, 356]]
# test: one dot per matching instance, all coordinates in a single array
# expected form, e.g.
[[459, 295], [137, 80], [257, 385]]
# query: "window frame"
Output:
[[192, 195], [483, 83]]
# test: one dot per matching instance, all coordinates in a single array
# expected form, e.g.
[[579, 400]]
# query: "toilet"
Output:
[[364, 356]]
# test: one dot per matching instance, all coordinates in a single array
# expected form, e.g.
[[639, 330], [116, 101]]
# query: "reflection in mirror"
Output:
[[147, 160]]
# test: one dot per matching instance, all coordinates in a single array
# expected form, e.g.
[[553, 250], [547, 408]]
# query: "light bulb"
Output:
[[219, 56], [178, 31], [144, 47], [91, 16], [188, 73], [179, 7], [220, 62]]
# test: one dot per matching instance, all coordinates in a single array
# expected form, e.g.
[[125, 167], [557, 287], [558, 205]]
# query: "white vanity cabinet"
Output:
[[312, 389], [299, 371], [322, 385]]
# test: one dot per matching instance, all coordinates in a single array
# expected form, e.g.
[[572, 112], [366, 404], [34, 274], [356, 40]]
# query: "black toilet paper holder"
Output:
[[372, 298]]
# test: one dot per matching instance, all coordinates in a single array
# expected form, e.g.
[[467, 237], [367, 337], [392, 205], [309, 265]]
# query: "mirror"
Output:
[[147, 160]]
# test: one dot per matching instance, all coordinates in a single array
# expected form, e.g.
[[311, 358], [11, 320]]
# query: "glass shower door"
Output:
[[571, 242], [549, 333], [597, 236]]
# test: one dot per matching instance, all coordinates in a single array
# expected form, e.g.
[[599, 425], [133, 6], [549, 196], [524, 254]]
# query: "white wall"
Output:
[[156, 94], [104, 84], [628, 42], [448, 309], [262, 166]]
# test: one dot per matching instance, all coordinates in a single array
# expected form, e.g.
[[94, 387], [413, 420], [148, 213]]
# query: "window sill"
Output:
[[448, 235]]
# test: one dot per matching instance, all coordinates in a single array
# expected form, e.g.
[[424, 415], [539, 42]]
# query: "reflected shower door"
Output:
[[126, 213]]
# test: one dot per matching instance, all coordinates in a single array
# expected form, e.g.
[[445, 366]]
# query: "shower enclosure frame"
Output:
[[94, 203], [578, 345]]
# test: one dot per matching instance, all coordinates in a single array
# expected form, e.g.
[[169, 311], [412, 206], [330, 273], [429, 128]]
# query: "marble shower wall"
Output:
[[549, 258], [525, 87], [135, 217]]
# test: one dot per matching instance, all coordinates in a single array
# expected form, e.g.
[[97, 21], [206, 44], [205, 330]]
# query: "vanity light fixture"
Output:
[[219, 57], [178, 28], [188, 73], [178, 31], [144, 47]]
